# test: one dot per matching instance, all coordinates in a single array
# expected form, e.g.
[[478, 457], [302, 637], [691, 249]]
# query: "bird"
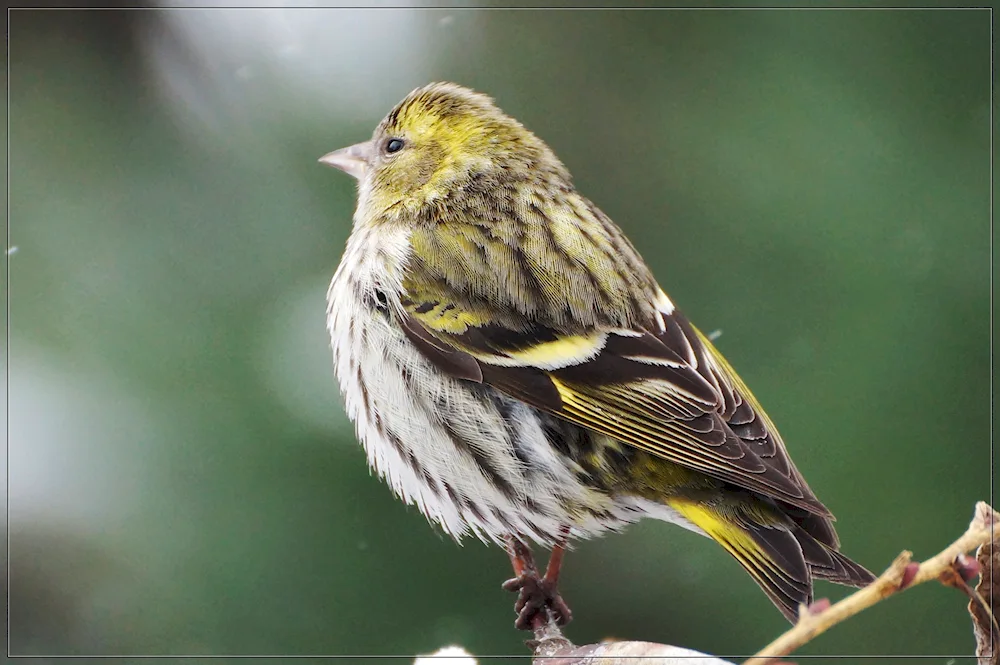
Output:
[[513, 368]]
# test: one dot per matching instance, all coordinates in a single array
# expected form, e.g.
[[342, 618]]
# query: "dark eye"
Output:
[[394, 145]]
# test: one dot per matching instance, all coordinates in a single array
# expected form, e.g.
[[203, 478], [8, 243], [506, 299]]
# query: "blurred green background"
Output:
[[182, 477]]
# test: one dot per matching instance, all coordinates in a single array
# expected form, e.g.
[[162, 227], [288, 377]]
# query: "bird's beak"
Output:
[[352, 160]]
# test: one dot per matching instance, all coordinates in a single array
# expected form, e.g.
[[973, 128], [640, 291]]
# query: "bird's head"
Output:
[[441, 141]]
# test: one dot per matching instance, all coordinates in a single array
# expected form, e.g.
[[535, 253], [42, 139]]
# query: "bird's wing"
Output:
[[664, 390]]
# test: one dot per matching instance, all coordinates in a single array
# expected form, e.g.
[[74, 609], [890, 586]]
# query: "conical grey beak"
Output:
[[352, 160]]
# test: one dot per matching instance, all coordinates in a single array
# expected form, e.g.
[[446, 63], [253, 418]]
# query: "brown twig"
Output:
[[901, 574]]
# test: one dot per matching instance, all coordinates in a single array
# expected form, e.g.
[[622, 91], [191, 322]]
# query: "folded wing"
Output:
[[662, 388]]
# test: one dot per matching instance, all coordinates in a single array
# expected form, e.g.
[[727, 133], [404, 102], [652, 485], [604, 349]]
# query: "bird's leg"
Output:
[[537, 596], [520, 557], [563, 615]]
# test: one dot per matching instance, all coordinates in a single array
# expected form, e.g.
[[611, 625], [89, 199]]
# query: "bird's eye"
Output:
[[394, 145]]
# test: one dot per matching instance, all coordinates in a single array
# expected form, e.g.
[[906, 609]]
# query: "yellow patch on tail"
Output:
[[738, 542]]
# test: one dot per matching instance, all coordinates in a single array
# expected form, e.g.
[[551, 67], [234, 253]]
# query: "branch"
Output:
[[551, 647], [950, 566]]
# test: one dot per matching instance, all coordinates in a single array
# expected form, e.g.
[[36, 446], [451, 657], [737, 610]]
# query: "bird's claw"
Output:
[[535, 596]]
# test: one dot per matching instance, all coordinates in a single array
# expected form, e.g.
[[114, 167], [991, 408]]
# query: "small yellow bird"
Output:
[[513, 368]]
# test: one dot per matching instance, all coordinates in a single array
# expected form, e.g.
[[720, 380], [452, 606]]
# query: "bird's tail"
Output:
[[776, 549]]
